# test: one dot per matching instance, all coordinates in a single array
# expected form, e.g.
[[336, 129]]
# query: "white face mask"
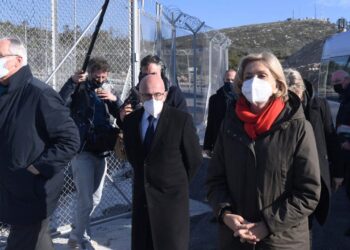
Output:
[[154, 107], [3, 71], [256, 90]]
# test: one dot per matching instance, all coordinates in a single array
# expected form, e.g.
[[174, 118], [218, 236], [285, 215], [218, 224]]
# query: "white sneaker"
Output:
[[89, 245]]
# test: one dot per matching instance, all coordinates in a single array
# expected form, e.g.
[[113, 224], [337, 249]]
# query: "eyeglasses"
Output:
[[229, 80], [157, 96], [7, 56]]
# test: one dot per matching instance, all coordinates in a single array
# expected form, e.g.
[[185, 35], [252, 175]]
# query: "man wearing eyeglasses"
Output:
[[163, 148], [37, 140], [153, 65]]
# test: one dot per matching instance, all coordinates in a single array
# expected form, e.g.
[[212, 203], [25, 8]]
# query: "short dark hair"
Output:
[[147, 60], [98, 63]]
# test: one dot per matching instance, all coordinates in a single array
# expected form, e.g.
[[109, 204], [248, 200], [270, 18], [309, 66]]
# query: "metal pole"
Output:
[[226, 56], [173, 49], [210, 78], [75, 33], [194, 76], [53, 40], [159, 30], [135, 59], [194, 45], [74, 46], [47, 45], [173, 22]]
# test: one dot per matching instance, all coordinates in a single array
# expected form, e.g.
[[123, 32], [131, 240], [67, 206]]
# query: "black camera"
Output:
[[133, 99]]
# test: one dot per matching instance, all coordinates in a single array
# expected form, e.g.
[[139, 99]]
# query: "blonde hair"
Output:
[[274, 66]]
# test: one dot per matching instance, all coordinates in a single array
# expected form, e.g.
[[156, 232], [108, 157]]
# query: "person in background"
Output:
[[264, 177], [91, 106], [37, 140], [317, 112], [163, 148], [340, 79], [217, 109], [153, 65]]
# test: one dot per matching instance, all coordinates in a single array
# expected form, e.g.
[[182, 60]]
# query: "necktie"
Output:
[[149, 134]]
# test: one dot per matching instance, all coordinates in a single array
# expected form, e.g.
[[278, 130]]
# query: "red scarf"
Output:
[[256, 124]]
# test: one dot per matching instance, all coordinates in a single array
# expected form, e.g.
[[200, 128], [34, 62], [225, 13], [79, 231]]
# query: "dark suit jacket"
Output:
[[161, 178]]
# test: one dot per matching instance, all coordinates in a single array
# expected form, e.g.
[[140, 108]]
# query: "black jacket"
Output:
[[216, 113], [176, 98], [317, 112], [35, 129], [82, 106], [161, 179], [275, 178], [343, 115]]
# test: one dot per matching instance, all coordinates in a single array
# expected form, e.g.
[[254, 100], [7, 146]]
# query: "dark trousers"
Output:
[[30, 237], [347, 179]]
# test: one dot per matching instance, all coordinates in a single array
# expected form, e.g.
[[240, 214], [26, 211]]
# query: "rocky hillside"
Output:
[[297, 43]]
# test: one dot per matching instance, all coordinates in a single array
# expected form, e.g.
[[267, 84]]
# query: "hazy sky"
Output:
[[232, 13]]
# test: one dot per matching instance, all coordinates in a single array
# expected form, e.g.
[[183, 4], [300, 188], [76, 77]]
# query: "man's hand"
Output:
[[105, 95], [127, 109], [33, 170], [208, 152], [336, 183], [240, 227], [79, 77]]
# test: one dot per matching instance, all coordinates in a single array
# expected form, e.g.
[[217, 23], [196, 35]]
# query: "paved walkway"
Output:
[[115, 235]]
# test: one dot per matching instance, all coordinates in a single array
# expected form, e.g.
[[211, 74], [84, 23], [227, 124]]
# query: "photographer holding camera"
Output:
[[152, 65], [91, 105]]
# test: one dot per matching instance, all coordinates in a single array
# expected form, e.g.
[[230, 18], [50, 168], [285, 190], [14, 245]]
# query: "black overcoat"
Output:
[[317, 112], [161, 178], [216, 113], [35, 129]]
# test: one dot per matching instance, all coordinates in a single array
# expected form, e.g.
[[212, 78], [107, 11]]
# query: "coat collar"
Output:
[[293, 110], [22, 77], [160, 129]]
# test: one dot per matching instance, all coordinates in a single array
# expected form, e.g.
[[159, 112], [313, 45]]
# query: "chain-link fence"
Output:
[[196, 55], [60, 31], [57, 34]]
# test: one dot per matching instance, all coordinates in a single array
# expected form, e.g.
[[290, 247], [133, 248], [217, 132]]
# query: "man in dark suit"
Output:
[[162, 146], [217, 109]]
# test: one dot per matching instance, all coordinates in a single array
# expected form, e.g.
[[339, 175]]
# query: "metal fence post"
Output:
[[53, 38], [173, 22], [135, 48], [194, 45]]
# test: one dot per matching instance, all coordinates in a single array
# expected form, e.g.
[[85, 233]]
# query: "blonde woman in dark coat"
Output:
[[264, 178]]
